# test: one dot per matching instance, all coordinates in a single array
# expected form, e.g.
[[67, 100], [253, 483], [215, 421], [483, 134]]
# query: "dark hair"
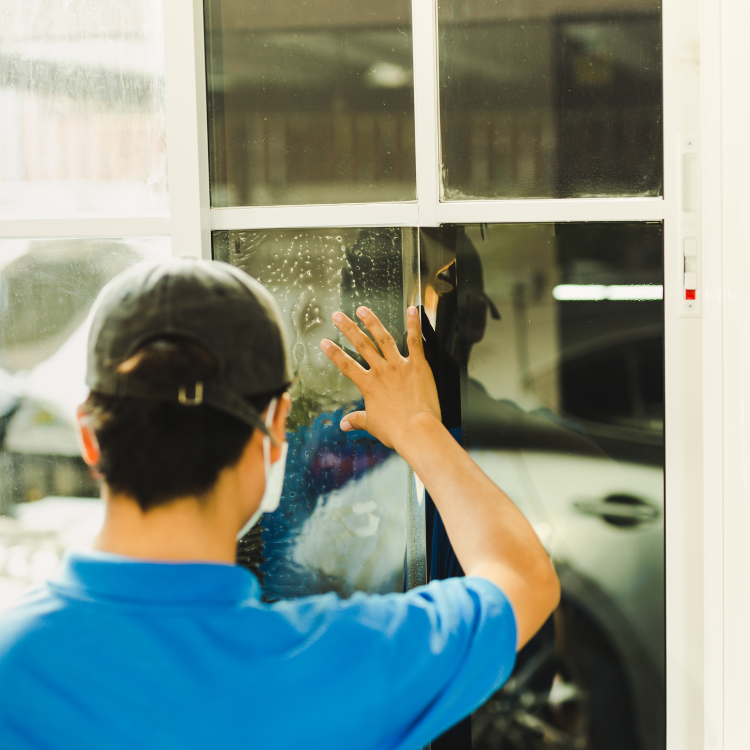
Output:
[[156, 451]]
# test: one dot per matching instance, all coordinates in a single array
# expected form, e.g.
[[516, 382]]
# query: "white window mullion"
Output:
[[426, 113], [463, 212], [187, 127], [310, 217], [550, 210]]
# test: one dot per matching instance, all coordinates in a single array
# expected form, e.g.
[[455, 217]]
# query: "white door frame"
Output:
[[725, 61]]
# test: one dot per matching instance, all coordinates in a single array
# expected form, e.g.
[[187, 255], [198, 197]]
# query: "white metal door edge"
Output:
[[683, 389]]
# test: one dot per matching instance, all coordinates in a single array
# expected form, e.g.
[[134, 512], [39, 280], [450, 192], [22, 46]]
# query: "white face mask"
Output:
[[274, 474]]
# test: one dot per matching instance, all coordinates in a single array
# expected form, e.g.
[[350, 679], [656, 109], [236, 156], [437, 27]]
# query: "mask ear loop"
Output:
[[270, 413], [264, 506]]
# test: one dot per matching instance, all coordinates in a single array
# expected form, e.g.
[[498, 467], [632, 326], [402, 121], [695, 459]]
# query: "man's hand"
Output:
[[398, 391]]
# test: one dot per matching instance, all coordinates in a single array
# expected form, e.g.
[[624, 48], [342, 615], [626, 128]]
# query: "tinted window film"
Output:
[[554, 333], [550, 99]]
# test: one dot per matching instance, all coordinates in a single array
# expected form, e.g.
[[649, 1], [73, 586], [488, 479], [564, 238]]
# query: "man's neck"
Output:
[[186, 529]]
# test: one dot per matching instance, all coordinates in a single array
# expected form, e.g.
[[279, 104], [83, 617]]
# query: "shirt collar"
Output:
[[102, 575]]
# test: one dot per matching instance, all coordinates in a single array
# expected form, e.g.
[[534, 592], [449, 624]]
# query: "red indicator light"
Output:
[[690, 294]]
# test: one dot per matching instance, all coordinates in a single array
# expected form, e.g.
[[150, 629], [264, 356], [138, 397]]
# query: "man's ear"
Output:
[[87, 441], [278, 426]]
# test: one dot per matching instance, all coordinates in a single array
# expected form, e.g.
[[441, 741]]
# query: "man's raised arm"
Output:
[[491, 537]]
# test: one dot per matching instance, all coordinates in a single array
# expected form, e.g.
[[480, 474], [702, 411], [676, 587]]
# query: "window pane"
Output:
[[48, 497], [310, 102], [82, 124], [341, 525], [556, 382], [550, 99]]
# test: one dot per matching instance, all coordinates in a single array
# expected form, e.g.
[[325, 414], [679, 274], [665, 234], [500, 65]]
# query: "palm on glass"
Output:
[[398, 391]]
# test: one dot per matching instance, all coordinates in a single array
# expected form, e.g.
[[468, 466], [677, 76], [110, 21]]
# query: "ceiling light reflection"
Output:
[[598, 292]]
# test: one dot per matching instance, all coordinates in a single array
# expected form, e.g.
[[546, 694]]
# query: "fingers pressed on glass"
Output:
[[361, 343], [414, 332], [347, 366], [383, 339]]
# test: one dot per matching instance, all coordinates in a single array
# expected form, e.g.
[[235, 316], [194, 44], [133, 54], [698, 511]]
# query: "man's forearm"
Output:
[[490, 536]]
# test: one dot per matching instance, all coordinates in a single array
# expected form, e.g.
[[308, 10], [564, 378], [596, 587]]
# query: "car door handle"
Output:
[[620, 510]]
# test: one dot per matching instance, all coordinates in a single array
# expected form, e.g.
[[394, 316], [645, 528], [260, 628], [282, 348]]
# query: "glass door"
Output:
[[526, 144]]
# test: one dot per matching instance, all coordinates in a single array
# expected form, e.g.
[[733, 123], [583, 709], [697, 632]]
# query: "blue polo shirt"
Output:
[[121, 653]]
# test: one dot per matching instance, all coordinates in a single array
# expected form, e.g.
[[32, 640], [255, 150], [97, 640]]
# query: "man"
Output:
[[156, 639]]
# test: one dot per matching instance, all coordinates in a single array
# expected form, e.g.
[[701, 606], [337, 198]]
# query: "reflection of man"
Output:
[[490, 422], [456, 311], [156, 639]]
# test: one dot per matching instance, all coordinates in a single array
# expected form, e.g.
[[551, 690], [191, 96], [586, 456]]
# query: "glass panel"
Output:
[[550, 100], [48, 497], [82, 123], [341, 525], [310, 102], [550, 345]]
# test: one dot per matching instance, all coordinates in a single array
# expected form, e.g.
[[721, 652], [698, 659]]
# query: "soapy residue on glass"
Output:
[[341, 523]]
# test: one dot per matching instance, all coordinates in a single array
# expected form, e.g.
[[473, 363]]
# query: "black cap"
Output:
[[470, 265], [224, 310]]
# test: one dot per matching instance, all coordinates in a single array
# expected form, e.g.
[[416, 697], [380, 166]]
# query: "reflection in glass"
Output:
[[550, 338], [310, 102], [341, 525], [82, 120], [46, 290], [550, 100]]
